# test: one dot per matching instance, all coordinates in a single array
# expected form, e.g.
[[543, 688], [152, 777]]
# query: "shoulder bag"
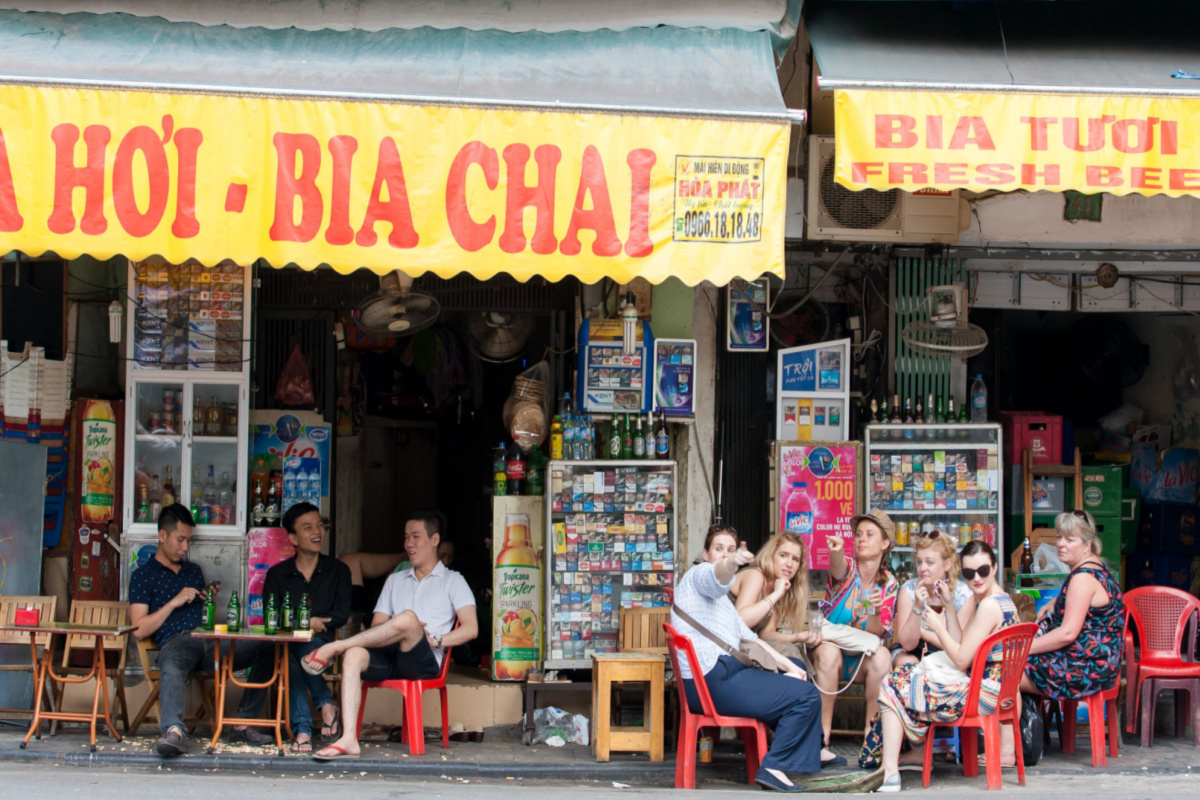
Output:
[[749, 653]]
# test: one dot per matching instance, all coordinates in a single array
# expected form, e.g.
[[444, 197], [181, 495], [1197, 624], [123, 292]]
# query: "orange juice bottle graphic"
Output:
[[516, 631], [99, 426]]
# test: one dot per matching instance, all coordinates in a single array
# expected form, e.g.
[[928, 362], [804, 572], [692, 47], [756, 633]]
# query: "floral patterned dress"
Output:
[[919, 703], [1091, 663]]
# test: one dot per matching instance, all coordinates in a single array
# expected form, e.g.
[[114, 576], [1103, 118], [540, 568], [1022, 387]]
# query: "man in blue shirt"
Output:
[[166, 601]]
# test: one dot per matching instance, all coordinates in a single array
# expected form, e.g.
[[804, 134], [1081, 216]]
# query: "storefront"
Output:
[[205, 165], [1044, 160]]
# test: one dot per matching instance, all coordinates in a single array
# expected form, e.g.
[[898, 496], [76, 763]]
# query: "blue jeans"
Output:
[[790, 706], [302, 721], [182, 655]]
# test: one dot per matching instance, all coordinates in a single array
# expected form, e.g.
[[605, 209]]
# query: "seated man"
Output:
[[372, 566], [413, 623], [326, 581], [166, 601]]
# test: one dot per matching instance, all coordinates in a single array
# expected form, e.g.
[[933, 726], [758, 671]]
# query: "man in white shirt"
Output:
[[412, 625]]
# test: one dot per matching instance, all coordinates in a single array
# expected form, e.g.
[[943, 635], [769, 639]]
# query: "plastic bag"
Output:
[[1045, 559], [295, 386], [1032, 730], [553, 722], [528, 407]]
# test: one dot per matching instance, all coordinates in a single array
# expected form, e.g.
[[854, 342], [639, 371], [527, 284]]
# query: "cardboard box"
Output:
[[1049, 494], [1169, 528], [1160, 569]]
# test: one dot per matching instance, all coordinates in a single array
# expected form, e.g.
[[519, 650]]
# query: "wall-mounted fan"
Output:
[[947, 332], [396, 309], [498, 336]]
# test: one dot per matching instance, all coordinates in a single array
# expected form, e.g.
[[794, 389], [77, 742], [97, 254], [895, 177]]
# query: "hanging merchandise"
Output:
[[674, 376], [747, 326], [527, 408], [611, 380], [295, 386], [812, 397]]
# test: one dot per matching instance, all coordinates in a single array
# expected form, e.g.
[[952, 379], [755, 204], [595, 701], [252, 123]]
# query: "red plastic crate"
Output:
[[1035, 430]]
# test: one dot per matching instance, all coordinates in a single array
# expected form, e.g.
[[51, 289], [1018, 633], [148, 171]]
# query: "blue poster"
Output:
[[674, 375], [747, 325], [799, 371]]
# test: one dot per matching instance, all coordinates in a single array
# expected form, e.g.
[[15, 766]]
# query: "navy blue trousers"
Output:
[[789, 706]]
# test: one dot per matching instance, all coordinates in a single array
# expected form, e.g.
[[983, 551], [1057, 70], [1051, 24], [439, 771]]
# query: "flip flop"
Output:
[[335, 727], [340, 755], [313, 665], [297, 751]]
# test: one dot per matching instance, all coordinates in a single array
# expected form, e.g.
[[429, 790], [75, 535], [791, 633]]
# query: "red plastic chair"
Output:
[[754, 732], [1163, 618], [414, 708], [1014, 642], [1096, 704]]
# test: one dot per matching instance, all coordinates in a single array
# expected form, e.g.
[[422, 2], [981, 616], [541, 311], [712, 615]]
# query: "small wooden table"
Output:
[[610, 668], [223, 669], [44, 671]]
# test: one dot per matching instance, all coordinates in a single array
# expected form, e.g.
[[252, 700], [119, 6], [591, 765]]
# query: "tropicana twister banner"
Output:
[[986, 142], [389, 186]]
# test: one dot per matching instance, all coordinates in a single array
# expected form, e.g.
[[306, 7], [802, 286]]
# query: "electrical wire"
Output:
[[14, 366], [770, 313]]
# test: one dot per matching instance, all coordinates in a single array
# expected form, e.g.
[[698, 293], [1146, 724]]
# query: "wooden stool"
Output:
[[610, 668]]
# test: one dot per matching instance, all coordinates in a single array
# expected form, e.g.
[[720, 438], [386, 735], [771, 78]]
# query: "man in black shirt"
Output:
[[326, 581]]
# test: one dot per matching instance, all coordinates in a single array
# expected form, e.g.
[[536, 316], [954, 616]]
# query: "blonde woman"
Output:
[[1079, 644], [936, 586], [772, 594]]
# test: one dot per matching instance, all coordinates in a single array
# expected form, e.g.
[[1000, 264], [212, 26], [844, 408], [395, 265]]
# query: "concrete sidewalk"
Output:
[[502, 757]]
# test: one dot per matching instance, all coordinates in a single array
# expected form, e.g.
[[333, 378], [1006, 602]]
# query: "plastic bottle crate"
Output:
[[1034, 430]]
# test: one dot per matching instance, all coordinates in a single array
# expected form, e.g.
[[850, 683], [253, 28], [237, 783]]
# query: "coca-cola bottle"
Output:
[[514, 470]]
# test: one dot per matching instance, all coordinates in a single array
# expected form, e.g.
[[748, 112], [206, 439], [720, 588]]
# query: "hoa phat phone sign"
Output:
[[818, 493]]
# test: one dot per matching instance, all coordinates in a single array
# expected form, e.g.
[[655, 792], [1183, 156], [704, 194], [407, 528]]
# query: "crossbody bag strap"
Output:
[[712, 637]]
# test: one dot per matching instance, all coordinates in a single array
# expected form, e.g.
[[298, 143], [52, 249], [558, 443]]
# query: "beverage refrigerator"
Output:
[[947, 478], [611, 528], [187, 412]]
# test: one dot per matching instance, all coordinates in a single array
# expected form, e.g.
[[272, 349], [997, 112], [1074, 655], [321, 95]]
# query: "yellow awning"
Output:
[[352, 174]]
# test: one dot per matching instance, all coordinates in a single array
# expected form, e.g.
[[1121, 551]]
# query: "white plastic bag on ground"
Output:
[[553, 722]]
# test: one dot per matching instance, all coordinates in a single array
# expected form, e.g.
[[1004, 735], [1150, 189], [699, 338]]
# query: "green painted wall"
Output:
[[672, 314]]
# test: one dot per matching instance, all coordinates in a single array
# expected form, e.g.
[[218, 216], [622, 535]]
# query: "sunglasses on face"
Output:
[[983, 572]]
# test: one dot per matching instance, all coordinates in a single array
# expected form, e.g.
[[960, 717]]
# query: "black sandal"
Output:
[[335, 727], [298, 747]]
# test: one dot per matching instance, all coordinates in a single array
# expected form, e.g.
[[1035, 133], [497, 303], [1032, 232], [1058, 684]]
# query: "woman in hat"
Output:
[[860, 593]]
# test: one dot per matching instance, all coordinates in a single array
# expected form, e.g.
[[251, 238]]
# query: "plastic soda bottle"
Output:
[[499, 471], [798, 514], [556, 439], [979, 400]]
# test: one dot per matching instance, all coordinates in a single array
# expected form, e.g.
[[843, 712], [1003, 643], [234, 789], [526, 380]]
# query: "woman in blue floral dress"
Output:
[[1078, 647]]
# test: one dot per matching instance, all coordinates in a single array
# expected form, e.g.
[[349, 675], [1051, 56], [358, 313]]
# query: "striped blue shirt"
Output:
[[706, 599]]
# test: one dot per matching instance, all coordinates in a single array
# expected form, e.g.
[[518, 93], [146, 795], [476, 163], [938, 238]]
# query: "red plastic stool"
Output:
[[1097, 724], [1185, 706]]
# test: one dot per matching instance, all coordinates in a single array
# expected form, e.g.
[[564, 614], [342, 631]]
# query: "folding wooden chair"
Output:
[[46, 607], [150, 669], [79, 650]]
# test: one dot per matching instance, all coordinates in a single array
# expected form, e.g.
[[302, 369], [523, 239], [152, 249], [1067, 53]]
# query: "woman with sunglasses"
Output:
[[910, 703], [1078, 647], [936, 586], [772, 594], [860, 593], [784, 700]]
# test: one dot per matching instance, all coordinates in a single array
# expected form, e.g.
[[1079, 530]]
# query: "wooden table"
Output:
[[223, 669], [44, 671], [610, 668]]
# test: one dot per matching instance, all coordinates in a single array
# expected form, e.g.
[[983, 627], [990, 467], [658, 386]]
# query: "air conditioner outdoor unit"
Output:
[[837, 214]]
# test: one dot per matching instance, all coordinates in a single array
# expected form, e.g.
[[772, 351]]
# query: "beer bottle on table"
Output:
[[210, 609], [271, 618], [1026, 558], [288, 624], [305, 613], [233, 616]]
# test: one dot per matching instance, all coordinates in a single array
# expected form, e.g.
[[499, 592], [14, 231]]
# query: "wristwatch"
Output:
[[438, 639]]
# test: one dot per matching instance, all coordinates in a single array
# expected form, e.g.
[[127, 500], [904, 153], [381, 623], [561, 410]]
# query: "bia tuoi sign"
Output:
[[916, 140], [351, 184]]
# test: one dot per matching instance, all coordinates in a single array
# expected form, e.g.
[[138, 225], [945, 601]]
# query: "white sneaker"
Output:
[[891, 783]]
